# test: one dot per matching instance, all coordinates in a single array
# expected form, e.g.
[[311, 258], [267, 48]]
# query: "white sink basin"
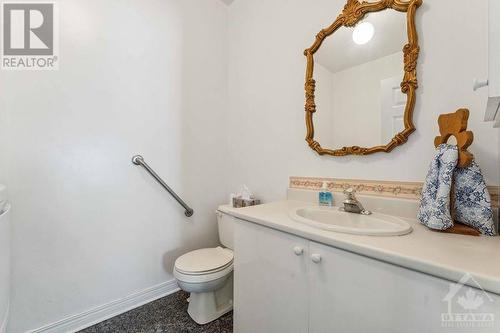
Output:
[[332, 219]]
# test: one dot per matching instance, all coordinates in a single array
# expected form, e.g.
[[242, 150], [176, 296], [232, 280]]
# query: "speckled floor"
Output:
[[166, 315]]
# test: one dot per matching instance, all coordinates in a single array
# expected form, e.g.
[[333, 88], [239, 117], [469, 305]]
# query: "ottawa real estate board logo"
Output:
[[30, 36]]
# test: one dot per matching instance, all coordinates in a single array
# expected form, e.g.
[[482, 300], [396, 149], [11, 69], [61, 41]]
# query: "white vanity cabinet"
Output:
[[353, 293], [271, 275], [284, 283]]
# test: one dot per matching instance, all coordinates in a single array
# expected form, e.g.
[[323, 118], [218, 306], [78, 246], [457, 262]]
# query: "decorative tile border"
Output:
[[394, 189]]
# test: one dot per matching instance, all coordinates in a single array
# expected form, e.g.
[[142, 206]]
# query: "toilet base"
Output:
[[207, 306], [202, 308]]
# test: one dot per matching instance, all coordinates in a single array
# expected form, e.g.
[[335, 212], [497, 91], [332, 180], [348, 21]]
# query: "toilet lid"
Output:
[[204, 260]]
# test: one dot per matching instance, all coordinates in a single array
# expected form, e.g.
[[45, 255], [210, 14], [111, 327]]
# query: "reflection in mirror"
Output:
[[358, 72]]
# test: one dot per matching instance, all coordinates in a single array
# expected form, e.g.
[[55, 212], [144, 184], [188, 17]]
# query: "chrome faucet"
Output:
[[351, 204]]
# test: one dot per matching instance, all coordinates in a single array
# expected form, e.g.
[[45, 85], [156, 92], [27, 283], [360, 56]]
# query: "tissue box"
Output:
[[239, 202]]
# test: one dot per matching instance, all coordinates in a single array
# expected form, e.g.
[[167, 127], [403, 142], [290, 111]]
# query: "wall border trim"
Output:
[[379, 188]]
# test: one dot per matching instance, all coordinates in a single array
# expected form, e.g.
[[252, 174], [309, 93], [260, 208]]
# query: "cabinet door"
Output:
[[355, 294], [270, 281]]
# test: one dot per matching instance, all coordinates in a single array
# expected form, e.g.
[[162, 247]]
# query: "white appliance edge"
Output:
[[4, 268], [5, 317]]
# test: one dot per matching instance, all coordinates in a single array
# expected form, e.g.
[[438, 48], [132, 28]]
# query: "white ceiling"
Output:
[[227, 2], [339, 52]]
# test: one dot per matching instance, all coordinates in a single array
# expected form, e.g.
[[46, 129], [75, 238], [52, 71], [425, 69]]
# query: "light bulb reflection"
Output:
[[363, 33]]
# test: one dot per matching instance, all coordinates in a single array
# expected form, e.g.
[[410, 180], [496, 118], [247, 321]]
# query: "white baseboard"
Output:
[[96, 315]]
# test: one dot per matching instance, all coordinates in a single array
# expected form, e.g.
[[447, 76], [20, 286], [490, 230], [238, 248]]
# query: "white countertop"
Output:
[[444, 255]]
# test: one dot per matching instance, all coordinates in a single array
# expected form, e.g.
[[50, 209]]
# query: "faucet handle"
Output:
[[351, 204], [350, 193]]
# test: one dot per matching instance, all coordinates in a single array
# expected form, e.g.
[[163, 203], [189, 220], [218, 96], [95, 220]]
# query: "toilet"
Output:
[[207, 274]]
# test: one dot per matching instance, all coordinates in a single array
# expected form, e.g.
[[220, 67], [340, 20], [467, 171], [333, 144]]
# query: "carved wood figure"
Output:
[[455, 124]]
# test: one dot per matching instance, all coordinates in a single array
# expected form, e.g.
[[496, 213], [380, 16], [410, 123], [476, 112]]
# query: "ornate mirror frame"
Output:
[[353, 12]]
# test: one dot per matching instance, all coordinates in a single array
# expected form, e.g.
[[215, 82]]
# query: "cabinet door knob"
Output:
[[298, 250], [316, 258]]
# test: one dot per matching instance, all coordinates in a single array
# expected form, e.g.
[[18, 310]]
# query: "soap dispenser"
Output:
[[325, 196]]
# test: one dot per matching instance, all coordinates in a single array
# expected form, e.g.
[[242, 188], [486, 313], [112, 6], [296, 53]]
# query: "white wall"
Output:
[[324, 101], [266, 89], [135, 76], [357, 101], [353, 97], [150, 77]]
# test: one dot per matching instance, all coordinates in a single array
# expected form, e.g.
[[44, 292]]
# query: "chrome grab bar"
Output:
[[139, 160]]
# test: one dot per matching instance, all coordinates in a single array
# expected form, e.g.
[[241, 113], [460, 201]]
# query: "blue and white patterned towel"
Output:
[[472, 200]]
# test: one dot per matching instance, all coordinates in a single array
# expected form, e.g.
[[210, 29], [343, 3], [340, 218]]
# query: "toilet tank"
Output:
[[226, 229], [4, 259]]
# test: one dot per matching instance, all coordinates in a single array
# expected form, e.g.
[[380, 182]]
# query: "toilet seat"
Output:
[[201, 278], [204, 265]]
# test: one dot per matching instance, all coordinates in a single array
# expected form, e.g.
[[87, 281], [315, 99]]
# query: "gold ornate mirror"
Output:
[[361, 79]]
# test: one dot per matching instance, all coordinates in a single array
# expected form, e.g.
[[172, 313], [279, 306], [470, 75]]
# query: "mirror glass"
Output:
[[358, 72]]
